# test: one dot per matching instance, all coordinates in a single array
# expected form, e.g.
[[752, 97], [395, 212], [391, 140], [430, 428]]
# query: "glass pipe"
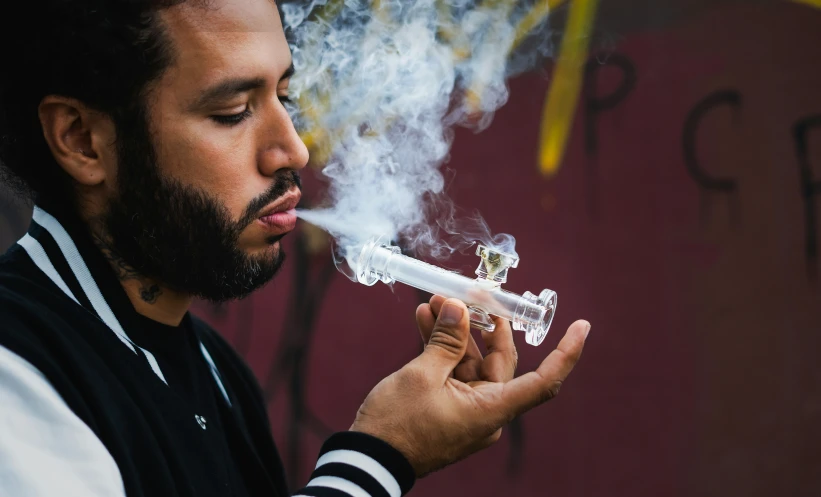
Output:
[[483, 295]]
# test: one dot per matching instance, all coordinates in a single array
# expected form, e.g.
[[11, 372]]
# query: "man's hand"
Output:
[[450, 401]]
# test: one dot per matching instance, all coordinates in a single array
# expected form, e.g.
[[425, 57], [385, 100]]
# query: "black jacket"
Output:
[[175, 407]]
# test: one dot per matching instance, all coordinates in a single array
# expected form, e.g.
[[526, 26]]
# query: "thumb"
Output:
[[448, 340]]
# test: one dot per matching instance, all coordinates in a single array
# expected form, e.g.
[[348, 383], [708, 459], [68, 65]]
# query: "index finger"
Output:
[[537, 387], [501, 359], [468, 369]]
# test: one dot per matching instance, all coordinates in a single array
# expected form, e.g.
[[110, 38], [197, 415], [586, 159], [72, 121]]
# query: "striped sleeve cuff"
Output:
[[353, 464]]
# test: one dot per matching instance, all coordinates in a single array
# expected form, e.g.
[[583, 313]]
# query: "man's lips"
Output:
[[280, 216]]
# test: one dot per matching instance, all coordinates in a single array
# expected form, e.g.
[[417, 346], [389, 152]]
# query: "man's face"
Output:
[[204, 192]]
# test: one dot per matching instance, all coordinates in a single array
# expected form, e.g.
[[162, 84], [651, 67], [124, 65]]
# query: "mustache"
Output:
[[284, 181]]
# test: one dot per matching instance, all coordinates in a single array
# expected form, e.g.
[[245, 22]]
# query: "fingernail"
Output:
[[587, 330], [451, 314]]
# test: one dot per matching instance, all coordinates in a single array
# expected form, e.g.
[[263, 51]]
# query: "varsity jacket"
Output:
[[97, 400]]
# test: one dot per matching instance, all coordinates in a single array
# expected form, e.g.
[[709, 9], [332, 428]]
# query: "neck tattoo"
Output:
[[150, 290]]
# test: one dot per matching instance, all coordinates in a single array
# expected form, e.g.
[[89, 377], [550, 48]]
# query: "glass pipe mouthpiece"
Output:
[[533, 314]]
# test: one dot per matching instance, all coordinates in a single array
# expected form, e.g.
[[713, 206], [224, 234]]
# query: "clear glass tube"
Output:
[[530, 313]]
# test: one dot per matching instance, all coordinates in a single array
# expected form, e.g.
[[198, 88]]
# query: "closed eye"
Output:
[[232, 119]]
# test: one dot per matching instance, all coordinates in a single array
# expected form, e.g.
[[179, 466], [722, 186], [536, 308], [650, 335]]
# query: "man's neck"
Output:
[[148, 296]]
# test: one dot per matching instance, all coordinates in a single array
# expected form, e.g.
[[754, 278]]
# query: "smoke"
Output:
[[380, 87]]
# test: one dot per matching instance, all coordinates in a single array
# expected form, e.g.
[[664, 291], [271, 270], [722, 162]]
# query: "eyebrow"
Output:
[[232, 87]]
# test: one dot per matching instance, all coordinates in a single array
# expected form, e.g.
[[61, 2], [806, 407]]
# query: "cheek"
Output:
[[221, 167]]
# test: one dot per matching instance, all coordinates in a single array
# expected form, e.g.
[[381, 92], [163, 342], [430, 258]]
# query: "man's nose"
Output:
[[282, 146]]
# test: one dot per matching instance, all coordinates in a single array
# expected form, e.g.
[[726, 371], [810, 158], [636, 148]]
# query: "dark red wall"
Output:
[[701, 376]]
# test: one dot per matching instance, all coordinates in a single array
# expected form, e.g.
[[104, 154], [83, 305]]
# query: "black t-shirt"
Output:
[[193, 394], [175, 407]]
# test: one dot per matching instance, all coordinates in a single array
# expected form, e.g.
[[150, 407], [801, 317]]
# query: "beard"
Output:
[[181, 235]]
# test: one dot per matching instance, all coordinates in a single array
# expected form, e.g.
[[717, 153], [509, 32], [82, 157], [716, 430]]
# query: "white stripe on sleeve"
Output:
[[45, 449], [366, 464], [338, 483]]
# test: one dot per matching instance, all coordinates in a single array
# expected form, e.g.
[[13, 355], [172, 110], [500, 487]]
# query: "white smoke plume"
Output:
[[385, 83]]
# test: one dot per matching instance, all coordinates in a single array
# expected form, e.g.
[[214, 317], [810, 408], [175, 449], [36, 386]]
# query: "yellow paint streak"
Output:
[[811, 3], [563, 95]]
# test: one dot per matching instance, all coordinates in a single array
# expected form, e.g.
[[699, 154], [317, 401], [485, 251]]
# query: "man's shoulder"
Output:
[[12, 267], [37, 321], [25, 295], [29, 321]]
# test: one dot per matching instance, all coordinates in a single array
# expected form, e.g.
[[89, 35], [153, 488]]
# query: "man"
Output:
[[164, 167]]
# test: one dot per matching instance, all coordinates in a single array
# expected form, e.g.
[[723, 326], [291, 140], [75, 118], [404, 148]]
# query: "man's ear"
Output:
[[81, 139]]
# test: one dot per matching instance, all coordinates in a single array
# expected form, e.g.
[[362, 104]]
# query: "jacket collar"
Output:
[[57, 253], [61, 246]]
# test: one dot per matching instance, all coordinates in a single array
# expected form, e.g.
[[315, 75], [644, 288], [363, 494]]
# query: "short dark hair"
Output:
[[104, 53]]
